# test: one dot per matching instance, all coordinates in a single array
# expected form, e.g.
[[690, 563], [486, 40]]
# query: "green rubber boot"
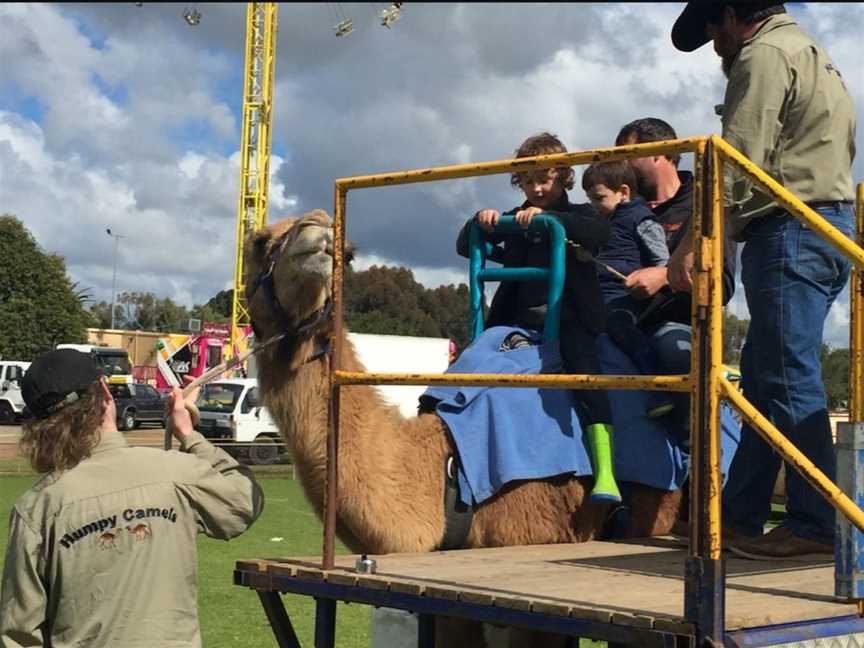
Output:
[[600, 442]]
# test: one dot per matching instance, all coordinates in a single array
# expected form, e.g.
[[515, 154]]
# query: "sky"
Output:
[[120, 116]]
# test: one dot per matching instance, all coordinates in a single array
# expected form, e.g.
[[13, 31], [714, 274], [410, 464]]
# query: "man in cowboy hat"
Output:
[[788, 110]]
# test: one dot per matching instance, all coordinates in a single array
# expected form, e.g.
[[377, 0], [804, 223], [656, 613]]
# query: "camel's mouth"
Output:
[[293, 270], [318, 263]]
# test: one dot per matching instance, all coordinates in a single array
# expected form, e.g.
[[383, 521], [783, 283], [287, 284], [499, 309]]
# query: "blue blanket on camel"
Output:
[[508, 433]]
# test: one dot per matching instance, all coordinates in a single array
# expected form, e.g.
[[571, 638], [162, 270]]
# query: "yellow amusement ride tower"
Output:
[[255, 143]]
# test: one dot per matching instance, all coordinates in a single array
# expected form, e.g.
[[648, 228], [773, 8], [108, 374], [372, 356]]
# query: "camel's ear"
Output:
[[350, 250]]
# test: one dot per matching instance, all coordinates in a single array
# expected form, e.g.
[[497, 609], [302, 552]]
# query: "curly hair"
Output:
[[64, 439], [543, 144]]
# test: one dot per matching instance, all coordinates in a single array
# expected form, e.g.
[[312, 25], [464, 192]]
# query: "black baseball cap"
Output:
[[689, 33], [57, 379]]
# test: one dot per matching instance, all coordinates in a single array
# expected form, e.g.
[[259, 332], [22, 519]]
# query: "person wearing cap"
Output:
[[787, 109], [102, 550]]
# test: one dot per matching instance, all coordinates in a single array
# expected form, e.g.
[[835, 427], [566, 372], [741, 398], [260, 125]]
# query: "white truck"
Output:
[[112, 361], [232, 416], [11, 402]]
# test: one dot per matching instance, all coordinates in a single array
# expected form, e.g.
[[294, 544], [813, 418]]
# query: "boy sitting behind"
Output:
[[523, 303], [636, 241]]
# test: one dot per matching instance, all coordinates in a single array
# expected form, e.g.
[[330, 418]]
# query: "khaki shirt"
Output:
[[788, 110], [105, 554]]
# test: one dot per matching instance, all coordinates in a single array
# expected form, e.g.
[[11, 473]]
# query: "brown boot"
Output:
[[781, 544], [681, 532]]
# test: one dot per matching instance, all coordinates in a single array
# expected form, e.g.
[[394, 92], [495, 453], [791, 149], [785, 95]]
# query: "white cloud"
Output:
[[136, 120], [183, 249]]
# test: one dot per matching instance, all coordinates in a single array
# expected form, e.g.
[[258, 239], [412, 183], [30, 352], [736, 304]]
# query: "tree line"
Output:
[[41, 307]]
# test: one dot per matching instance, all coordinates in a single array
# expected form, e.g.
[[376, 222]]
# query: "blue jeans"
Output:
[[791, 277], [671, 342]]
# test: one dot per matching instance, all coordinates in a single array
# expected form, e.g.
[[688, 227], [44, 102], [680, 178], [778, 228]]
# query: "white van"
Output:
[[11, 403], [231, 414]]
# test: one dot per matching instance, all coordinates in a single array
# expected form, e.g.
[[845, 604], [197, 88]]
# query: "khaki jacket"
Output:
[[105, 554], [788, 110]]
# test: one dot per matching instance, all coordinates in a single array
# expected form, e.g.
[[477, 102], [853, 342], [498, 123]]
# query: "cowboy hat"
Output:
[[689, 33]]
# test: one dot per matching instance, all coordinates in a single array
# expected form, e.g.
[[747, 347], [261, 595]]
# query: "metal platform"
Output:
[[630, 592]]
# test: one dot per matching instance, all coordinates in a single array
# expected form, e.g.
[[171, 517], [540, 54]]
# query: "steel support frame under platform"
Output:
[[326, 595], [847, 631], [841, 631]]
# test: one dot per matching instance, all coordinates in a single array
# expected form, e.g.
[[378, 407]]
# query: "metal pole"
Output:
[[704, 594], [114, 280], [116, 238], [856, 328], [331, 491]]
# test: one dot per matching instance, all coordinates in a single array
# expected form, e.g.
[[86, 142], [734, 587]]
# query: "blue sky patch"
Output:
[[119, 94], [28, 106], [97, 40], [197, 135]]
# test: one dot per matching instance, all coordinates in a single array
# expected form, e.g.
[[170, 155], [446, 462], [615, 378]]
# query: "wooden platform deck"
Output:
[[638, 584]]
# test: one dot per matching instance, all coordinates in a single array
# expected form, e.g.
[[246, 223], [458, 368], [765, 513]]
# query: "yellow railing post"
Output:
[[856, 321], [331, 490], [704, 595]]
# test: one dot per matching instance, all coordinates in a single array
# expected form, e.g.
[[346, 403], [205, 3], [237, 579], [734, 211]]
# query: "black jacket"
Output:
[[674, 215], [523, 303]]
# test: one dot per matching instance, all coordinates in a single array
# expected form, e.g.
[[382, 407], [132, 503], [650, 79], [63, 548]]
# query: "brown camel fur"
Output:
[[391, 469]]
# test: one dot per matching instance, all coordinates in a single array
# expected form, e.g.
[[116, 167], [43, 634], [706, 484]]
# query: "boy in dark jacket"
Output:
[[636, 240], [523, 304]]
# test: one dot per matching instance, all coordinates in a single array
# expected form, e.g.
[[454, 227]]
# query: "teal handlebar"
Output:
[[480, 250]]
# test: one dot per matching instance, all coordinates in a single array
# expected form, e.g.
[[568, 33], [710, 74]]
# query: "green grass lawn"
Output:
[[232, 615]]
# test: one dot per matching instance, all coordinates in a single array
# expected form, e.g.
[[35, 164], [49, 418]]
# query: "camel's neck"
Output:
[[298, 400], [373, 441]]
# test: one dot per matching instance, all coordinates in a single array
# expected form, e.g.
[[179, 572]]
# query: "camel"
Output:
[[391, 469]]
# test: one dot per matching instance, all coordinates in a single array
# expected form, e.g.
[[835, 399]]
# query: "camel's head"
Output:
[[288, 269]]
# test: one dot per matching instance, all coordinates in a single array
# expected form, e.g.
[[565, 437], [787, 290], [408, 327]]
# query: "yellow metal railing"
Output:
[[851, 251], [856, 324], [339, 377], [705, 382]]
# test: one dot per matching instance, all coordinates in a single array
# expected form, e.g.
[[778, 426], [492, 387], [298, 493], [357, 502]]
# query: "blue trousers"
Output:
[[791, 277], [671, 345]]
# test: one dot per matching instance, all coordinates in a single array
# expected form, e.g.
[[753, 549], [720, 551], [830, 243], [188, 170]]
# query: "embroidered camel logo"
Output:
[[139, 531], [108, 540]]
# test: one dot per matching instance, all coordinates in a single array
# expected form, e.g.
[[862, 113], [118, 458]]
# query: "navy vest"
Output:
[[622, 252]]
